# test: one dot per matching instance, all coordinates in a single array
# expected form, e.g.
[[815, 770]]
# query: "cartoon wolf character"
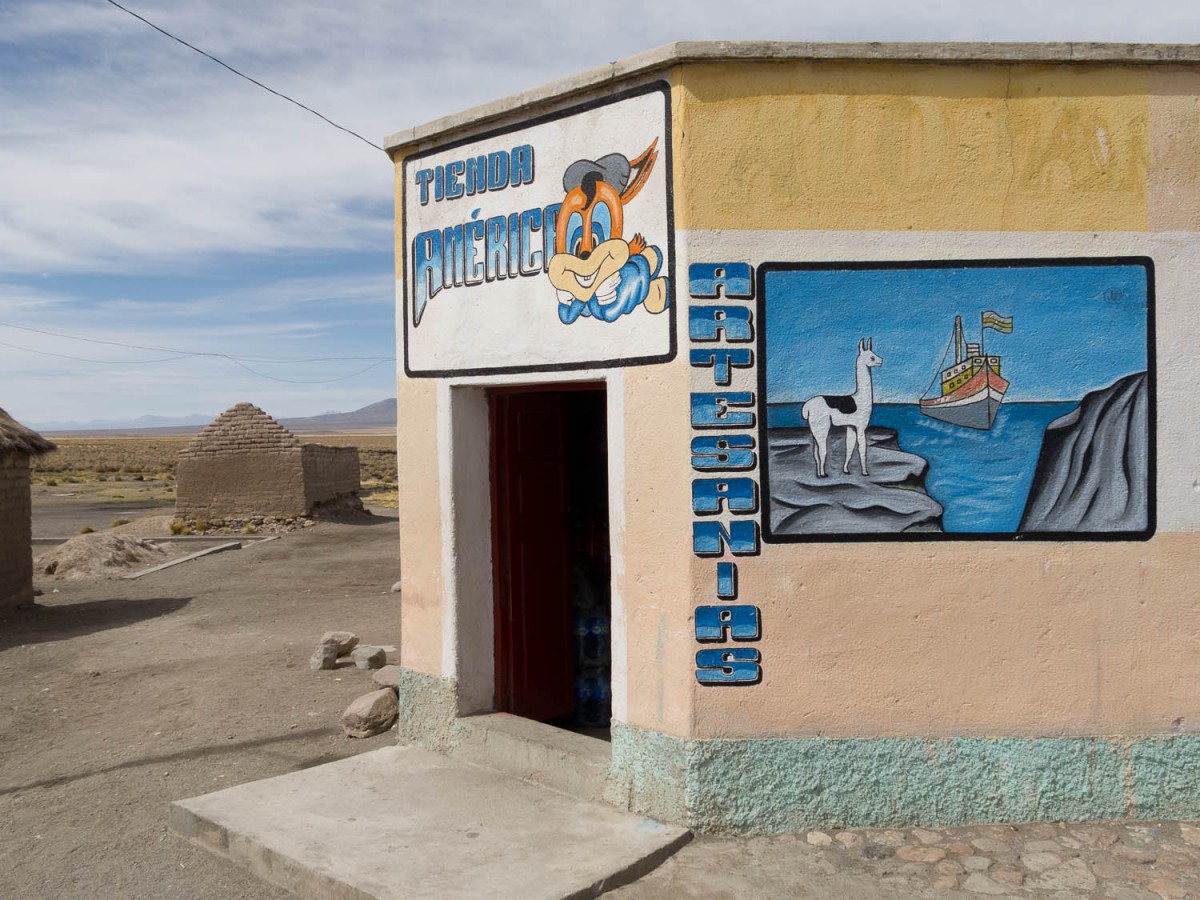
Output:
[[597, 273]]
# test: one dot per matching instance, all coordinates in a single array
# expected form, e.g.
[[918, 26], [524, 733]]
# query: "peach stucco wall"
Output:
[[881, 161], [848, 160]]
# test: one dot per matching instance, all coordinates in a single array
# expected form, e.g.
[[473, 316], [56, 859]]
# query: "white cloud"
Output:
[[125, 154]]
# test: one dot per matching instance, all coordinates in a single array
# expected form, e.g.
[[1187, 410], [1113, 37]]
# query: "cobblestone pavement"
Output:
[[1121, 861]]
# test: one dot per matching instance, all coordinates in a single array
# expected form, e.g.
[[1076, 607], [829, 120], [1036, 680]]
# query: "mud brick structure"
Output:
[[17, 445], [246, 464]]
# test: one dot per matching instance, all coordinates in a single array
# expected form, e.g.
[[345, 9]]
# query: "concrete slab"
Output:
[[407, 822], [570, 763]]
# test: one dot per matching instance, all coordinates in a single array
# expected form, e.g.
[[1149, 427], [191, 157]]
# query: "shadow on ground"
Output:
[[40, 624], [194, 753], [356, 518]]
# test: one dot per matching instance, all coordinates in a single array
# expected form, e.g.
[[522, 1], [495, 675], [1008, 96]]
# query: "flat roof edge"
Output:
[[767, 51]]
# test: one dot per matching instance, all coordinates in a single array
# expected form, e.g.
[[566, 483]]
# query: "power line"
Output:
[[257, 359], [244, 75], [306, 381], [123, 362]]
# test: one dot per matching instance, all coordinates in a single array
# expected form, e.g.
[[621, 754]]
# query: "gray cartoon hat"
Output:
[[613, 169]]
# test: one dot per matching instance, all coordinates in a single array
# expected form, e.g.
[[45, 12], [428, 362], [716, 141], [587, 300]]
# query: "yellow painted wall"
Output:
[[1174, 184], [871, 146]]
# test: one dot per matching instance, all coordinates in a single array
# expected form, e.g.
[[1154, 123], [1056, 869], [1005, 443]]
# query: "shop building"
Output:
[[823, 415]]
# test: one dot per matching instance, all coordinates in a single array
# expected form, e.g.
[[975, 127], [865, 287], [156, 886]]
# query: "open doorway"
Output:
[[552, 572]]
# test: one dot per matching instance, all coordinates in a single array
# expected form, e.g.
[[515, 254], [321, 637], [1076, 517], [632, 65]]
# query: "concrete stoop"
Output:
[[408, 822], [531, 751]]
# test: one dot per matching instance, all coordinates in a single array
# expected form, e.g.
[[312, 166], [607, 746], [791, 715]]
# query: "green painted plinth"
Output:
[[786, 785]]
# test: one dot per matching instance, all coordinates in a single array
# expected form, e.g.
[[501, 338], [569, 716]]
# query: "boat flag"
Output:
[[997, 322]]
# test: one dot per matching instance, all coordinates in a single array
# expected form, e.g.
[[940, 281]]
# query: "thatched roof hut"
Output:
[[17, 445], [16, 438]]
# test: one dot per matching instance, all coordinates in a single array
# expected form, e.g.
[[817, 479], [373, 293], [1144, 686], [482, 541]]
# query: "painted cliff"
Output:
[[1093, 470], [891, 499]]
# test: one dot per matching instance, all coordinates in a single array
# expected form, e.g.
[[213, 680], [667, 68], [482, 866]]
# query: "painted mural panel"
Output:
[[545, 246], [957, 399]]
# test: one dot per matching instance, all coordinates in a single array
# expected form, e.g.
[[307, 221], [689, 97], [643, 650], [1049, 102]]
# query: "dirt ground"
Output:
[[121, 696], [61, 511]]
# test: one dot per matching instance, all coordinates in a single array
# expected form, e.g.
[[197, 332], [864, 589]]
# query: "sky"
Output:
[[150, 197], [1075, 328]]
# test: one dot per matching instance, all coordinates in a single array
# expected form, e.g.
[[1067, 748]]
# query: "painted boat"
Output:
[[972, 389]]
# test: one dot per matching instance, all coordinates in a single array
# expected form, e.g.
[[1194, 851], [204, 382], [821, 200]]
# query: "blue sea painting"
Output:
[[1063, 348], [981, 478]]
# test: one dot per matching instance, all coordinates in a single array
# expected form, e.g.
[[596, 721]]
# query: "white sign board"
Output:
[[546, 246]]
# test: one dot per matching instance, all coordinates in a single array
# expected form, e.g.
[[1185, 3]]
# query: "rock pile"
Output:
[[332, 645], [244, 525], [372, 713]]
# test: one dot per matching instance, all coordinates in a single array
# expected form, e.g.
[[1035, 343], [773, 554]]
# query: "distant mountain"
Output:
[[126, 424], [377, 417]]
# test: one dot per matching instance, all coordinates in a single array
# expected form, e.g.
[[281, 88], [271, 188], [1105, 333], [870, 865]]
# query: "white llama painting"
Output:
[[849, 411]]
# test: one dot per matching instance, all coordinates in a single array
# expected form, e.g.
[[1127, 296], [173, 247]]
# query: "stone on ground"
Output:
[[368, 657], [1071, 875], [370, 714], [346, 640], [1040, 862], [388, 676], [921, 854], [325, 656], [978, 883]]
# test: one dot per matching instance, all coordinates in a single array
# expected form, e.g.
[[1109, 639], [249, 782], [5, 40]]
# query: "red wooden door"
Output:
[[530, 528]]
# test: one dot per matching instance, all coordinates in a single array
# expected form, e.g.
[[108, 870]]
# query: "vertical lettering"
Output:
[[711, 538], [709, 323], [734, 451], [723, 623], [738, 665], [727, 580], [707, 280], [740, 495], [723, 360], [713, 410]]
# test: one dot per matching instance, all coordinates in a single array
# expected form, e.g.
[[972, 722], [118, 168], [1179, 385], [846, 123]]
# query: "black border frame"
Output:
[[760, 301], [669, 264]]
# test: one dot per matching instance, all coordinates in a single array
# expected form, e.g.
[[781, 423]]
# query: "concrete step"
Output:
[[541, 754], [407, 822]]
